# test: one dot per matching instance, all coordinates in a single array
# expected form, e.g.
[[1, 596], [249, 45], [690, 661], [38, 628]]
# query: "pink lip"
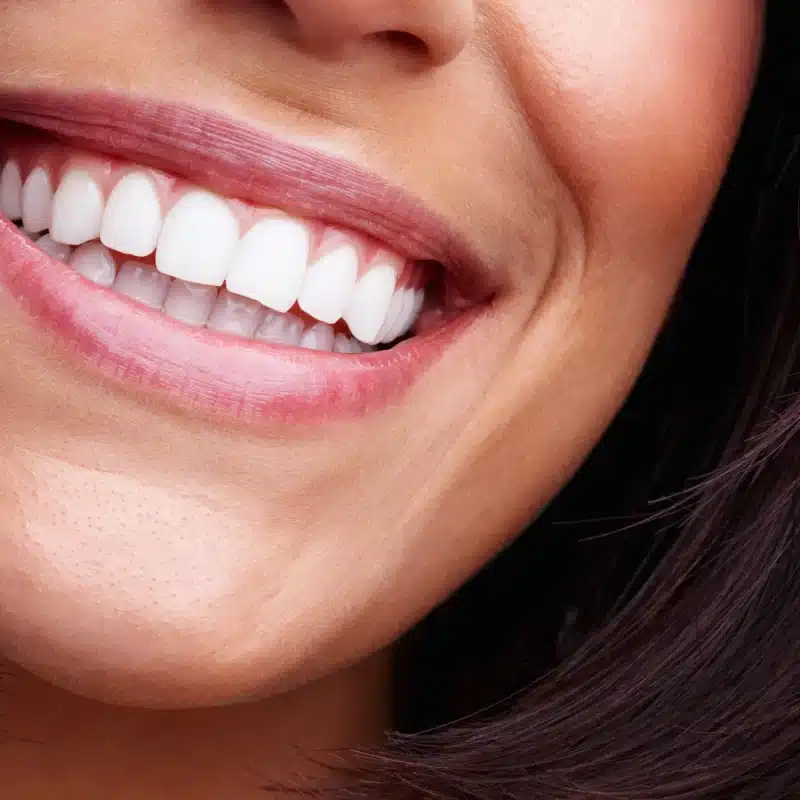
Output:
[[147, 350]]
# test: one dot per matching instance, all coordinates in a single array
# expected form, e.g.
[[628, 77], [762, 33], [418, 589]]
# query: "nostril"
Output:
[[277, 11], [279, 6], [402, 40], [438, 31]]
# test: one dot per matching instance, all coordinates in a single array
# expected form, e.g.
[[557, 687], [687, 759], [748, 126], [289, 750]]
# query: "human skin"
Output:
[[157, 557]]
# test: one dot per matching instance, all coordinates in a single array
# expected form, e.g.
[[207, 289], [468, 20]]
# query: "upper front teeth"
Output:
[[198, 237], [132, 218], [77, 209], [270, 260]]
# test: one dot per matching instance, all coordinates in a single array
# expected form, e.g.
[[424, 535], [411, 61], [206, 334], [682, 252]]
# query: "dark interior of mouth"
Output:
[[84, 208]]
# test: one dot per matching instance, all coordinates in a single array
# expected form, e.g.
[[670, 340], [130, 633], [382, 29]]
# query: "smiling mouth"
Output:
[[180, 251], [255, 273]]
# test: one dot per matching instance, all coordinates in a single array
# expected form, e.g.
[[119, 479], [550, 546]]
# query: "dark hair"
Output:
[[631, 650]]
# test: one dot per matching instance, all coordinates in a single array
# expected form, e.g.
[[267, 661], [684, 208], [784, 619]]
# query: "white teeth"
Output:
[[235, 314], [318, 337], [417, 301], [143, 283], [132, 219], [37, 201], [269, 263], [11, 191], [329, 284], [197, 249], [280, 329], [197, 239], [56, 250], [94, 262], [190, 302], [403, 311], [77, 209], [395, 309], [345, 344], [406, 317], [370, 303], [407, 314]]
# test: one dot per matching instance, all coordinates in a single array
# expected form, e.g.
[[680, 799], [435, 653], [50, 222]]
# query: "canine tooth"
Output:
[[37, 201], [406, 316], [318, 337], [11, 191], [280, 328], [395, 309], [197, 239], [235, 314], [77, 209], [56, 250], [269, 263], [95, 262], [329, 284], [132, 219], [370, 303], [412, 304], [190, 302], [141, 282]]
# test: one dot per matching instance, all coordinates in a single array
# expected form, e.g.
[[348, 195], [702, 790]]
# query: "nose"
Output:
[[440, 28]]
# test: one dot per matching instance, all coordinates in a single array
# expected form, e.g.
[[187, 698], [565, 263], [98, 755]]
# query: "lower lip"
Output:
[[143, 349]]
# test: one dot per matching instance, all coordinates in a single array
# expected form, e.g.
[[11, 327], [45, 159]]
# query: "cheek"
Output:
[[639, 104]]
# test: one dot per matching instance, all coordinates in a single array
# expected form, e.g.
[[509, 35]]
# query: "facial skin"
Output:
[[156, 558]]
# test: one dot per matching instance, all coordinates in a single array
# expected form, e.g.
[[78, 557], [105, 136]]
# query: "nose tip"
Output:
[[441, 28]]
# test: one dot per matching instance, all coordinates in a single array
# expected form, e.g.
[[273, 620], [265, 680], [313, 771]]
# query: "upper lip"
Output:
[[241, 161]]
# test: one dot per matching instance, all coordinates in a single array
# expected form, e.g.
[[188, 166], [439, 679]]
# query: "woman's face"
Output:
[[188, 516]]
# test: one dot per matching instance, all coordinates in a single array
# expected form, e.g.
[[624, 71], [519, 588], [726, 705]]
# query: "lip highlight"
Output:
[[144, 349]]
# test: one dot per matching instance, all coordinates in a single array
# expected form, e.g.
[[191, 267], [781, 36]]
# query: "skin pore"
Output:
[[154, 558]]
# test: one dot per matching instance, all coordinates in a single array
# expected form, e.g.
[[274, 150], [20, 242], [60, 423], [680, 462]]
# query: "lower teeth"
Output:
[[198, 305]]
